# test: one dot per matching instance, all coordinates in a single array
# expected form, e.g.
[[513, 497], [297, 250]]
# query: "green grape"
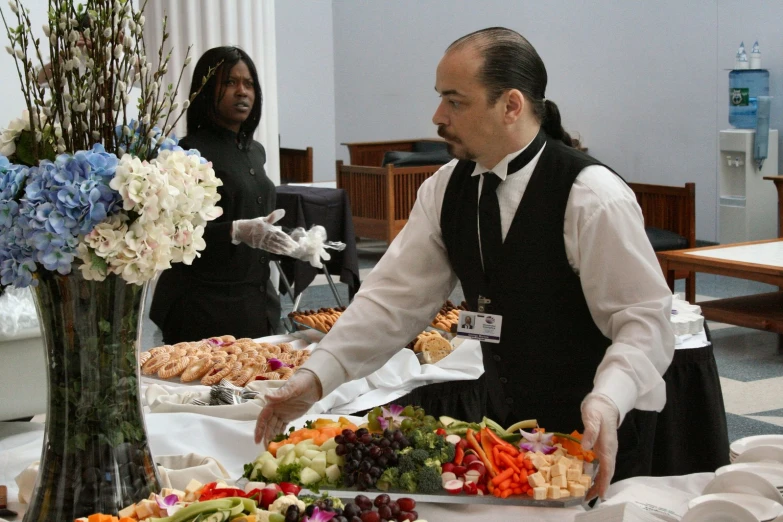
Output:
[[419, 414], [372, 416], [374, 425], [408, 411], [406, 425], [378, 411]]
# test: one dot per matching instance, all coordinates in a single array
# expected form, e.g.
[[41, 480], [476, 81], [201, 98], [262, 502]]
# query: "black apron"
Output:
[[550, 347]]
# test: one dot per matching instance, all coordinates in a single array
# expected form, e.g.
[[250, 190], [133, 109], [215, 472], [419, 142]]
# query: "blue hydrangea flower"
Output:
[[64, 200]]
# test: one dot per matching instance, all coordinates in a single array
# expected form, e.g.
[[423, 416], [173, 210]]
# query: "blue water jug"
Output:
[[745, 86]]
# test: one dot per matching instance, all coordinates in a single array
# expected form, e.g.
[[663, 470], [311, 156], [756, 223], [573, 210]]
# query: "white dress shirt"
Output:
[[606, 246]]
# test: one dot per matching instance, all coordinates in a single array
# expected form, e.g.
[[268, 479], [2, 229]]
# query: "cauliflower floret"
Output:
[[281, 504]]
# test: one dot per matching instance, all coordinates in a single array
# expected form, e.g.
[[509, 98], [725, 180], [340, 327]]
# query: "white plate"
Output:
[[771, 471], [760, 508], [744, 444], [716, 510], [744, 482], [761, 454]]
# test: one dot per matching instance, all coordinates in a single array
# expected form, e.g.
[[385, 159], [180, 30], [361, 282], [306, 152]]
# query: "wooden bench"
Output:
[[381, 197], [671, 208], [296, 165]]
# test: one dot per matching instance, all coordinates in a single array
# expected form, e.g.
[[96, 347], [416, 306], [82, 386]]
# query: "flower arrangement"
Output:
[[82, 185]]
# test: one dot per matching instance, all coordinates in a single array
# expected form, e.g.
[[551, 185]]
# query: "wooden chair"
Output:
[[370, 153], [381, 197], [296, 165], [672, 209]]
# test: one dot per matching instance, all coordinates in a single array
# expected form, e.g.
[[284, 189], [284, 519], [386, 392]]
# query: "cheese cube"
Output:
[[539, 493], [573, 475], [539, 461], [128, 512], [546, 472], [577, 464], [165, 492], [191, 489], [553, 492], [576, 490], [585, 481], [559, 481], [536, 480], [564, 493], [146, 509], [558, 470]]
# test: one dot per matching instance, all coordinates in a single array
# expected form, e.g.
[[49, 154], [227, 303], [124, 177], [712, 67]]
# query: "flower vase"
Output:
[[95, 456]]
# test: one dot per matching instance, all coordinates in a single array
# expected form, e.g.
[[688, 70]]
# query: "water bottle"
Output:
[[745, 86]]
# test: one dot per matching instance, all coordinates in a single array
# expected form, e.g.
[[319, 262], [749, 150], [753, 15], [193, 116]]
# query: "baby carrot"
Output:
[[508, 461], [506, 484], [506, 493], [502, 476]]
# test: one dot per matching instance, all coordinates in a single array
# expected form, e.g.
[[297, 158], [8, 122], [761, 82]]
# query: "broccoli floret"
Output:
[[421, 439], [433, 463], [419, 456], [408, 481], [428, 480], [389, 479], [447, 452], [405, 463]]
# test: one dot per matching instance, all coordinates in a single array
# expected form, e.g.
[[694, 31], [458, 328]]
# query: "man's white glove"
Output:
[[287, 403], [262, 233], [600, 417]]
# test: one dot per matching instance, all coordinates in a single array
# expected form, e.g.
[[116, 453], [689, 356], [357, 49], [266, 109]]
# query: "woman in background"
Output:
[[227, 290]]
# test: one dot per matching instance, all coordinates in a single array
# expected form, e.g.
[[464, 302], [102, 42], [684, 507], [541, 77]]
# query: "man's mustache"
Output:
[[443, 134]]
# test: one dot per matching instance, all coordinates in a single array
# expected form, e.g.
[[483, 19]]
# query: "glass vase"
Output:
[[95, 456]]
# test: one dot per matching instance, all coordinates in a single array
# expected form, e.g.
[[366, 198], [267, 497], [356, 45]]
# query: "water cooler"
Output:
[[748, 203]]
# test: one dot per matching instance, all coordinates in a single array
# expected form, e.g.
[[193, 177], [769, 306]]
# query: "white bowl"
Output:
[[743, 482], [759, 508]]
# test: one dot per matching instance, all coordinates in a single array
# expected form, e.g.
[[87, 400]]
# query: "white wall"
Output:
[[305, 75], [637, 80]]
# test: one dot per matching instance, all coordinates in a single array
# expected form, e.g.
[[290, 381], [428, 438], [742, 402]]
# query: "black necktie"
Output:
[[489, 209]]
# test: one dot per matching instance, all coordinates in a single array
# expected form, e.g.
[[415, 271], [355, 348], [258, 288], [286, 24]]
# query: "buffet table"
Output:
[[231, 443]]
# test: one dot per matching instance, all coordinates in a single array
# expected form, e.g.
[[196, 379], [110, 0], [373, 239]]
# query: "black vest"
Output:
[[550, 347]]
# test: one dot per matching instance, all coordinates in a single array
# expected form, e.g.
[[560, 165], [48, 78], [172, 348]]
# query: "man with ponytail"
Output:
[[536, 232]]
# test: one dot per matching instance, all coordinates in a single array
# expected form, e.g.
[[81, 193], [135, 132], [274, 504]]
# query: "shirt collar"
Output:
[[501, 169]]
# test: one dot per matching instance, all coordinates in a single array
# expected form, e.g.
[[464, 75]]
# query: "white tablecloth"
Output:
[[230, 442]]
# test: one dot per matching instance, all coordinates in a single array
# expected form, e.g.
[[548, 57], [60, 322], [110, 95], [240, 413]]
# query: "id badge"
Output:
[[479, 326]]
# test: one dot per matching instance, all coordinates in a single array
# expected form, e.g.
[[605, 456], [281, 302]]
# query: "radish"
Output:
[[478, 466], [470, 457], [472, 476], [464, 444], [447, 477], [454, 487], [459, 470], [454, 439], [470, 488], [447, 467]]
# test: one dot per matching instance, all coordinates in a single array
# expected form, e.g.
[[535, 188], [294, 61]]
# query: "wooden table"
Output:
[[778, 180], [757, 261]]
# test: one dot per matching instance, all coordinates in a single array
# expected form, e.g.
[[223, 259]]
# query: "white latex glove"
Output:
[[287, 403], [312, 245], [600, 417], [262, 233]]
